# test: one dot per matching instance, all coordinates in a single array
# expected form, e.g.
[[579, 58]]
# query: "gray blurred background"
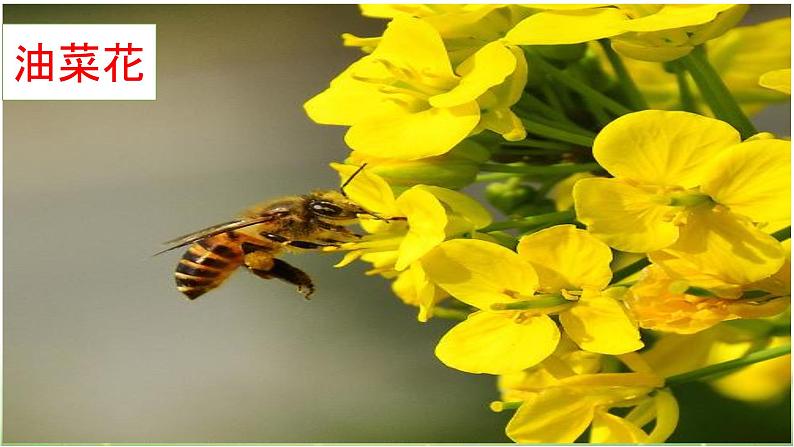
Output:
[[100, 347]]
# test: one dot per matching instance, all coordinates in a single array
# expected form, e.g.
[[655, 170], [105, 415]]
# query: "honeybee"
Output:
[[297, 223]]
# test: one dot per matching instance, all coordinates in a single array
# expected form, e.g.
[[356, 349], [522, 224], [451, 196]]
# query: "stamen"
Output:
[[691, 199], [536, 302], [498, 406]]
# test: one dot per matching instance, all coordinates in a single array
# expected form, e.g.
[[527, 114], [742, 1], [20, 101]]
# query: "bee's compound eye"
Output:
[[326, 209]]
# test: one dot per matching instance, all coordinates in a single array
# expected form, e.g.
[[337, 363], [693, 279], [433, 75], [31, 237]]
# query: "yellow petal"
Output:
[[610, 429], [498, 343], [658, 303], [488, 67], [779, 80], [408, 135], [676, 16], [712, 237], [759, 382], [382, 262], [332, 106], [662, 148], [666, 417], [720, 25], [567, 27], [665, 355], [409, 42], [509, 92], [600, 324], [740, 56], [349, 258], [753, 179], [426, 222], [413, 287], [615, 387], [567, 258], [504, 122], [641, 51], [624, 216], [455, 169], [386, 11], [461, 205], [368, 190], [780, 283], [562, 192], [745, 53], [480, 273], [367, 44], [556, 415]]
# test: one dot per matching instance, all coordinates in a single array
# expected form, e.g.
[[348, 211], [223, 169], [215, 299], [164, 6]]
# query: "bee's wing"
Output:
[[215, 230]]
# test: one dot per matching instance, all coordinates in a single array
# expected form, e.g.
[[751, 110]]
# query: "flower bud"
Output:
[[454, 169], [669, 44], [509, 195]]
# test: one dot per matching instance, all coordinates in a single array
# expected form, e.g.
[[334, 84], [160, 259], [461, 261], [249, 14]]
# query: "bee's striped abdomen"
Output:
[[207, 263]]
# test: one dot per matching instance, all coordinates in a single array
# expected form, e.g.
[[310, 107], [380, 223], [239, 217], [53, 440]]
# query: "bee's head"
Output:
[[337, 206], [333, 206]]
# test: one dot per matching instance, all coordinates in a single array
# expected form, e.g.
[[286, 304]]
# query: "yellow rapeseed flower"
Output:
[[741, 56], [641, 31], [513, 330], [465, 28], [563, 396], [661, 303], [779, 80], [427, 216], [404, 101], [745, 53], [455, 169], [759, 382], [562, 192], [689, 191]]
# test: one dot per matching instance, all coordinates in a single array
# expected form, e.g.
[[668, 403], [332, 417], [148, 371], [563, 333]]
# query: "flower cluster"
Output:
[[643, 210]]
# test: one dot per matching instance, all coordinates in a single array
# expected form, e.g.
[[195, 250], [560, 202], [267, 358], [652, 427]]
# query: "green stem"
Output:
[[730, 365], [761, 329], [635, 98], [555, 133], [563, 168], [630, 269], [598, 112], [558, 217], [595, 109], [782, 234], [577, 85], [563, 125], [552, 97], [715, 93], [564, 95], [541, 144], [530, 104], [684, 93]]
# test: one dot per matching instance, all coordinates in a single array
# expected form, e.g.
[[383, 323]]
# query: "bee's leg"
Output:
[[306, 245], [293, 275], [338, 229], [262, 264]]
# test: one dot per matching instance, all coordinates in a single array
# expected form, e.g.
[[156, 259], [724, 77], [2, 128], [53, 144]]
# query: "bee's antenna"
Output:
[[350, 179], [370, 213]]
